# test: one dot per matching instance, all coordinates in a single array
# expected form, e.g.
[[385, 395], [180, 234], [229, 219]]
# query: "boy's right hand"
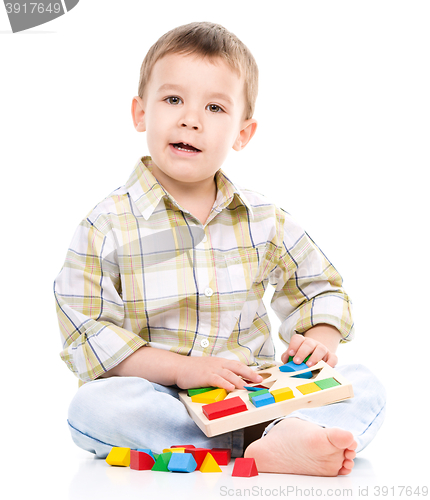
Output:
[[193, 372]]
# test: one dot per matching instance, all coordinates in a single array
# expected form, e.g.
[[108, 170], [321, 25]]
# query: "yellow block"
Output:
[[210, 464], [282, 394], [308, 388], [210, 396], [119, 456], [174, 450]]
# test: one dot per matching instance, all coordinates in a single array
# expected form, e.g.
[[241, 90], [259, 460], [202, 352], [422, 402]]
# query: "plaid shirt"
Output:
[[142, 270]]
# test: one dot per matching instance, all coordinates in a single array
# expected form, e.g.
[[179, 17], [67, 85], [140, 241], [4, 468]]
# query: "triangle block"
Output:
[[209, 464], [162, 462], [244, 467]]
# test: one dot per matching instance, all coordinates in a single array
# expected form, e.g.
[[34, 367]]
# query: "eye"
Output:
[[214, 108], [174, 100]]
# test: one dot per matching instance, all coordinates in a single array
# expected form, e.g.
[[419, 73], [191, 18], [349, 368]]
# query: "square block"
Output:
[[140, 460], [308, 388], [221, 455], [174, 450], [282, 394], [263, 400], [182, 462], [327, 383], [210, 397], [223, 408]]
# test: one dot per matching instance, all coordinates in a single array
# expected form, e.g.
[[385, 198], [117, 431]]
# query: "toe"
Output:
[[341, 439], [350, 454]]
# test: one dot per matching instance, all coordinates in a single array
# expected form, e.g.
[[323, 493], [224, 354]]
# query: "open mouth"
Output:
[[182, 146]]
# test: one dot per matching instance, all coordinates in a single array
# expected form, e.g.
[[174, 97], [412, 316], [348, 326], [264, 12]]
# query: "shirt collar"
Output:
[[147, 192]]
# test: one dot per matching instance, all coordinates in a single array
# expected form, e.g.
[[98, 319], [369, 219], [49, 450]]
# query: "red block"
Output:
[[224, 408], [140, 460], [186, 446], [244, 467], [221, 455], [199, 455]]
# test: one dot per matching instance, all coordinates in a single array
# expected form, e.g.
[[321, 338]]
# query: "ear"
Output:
[[138, 114], [245, 135]]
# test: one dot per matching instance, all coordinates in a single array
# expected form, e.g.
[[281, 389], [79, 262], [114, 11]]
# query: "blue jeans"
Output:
[[134, 413]]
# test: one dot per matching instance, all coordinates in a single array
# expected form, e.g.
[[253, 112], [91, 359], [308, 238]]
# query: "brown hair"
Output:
[[211, 40]]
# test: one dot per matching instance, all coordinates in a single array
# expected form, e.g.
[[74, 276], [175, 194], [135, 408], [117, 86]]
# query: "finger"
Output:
[[332, 359], [243, 371], [285, 356], [217, 380], [305, 350], [319, 353], [295, 342]]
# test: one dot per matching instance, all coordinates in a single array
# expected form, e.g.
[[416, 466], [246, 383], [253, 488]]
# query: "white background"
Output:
[[342, 144]]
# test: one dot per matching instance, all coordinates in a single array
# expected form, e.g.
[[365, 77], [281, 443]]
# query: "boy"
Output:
[[163, 283]]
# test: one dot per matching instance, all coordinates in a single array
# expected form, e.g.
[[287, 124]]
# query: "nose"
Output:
[[190, 119]]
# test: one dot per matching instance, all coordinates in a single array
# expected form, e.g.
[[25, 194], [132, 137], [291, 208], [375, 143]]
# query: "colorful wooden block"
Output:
[[327, 383], [200, 390], [282, 394], [182, 462], [199, 455], [162, 462], [119, 456], [224, 408], [244, 467], [263, 400], [140, 460], [185, 446], [222, 456], [149, 452], [174, 450], [210, 397], [291, 367], [308, 388], [254, 394], [209, 464]]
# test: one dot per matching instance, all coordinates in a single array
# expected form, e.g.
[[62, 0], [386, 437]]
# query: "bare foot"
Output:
[[294, 446]]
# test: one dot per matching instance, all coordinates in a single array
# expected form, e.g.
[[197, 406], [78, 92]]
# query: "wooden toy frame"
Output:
[[273, 379]]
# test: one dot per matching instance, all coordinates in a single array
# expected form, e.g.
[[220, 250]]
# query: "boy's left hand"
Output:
[[300, 347]]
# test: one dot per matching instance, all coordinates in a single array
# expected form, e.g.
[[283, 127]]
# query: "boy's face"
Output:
[[193, 113]]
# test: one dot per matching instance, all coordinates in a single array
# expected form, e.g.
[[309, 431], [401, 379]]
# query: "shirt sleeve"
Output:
[[308, 289], [89, 306]]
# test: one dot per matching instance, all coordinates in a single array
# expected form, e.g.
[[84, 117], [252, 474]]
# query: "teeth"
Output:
[[183, 149]]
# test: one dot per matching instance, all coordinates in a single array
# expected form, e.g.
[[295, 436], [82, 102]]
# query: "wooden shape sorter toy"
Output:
[[290, 392]]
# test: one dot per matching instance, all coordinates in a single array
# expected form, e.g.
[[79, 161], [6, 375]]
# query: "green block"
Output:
[[162, 462], [200, 390], [304, 361], [257, 393], [327, 383]]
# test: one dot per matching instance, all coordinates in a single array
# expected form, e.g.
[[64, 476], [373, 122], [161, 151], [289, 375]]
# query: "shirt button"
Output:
[[205, 239], [209, 292], [204, 343]]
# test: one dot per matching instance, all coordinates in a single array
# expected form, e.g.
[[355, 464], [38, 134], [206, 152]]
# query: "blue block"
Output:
[[263, 400], [302, 375], [249, 388], [182, 462], [292, 367]]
